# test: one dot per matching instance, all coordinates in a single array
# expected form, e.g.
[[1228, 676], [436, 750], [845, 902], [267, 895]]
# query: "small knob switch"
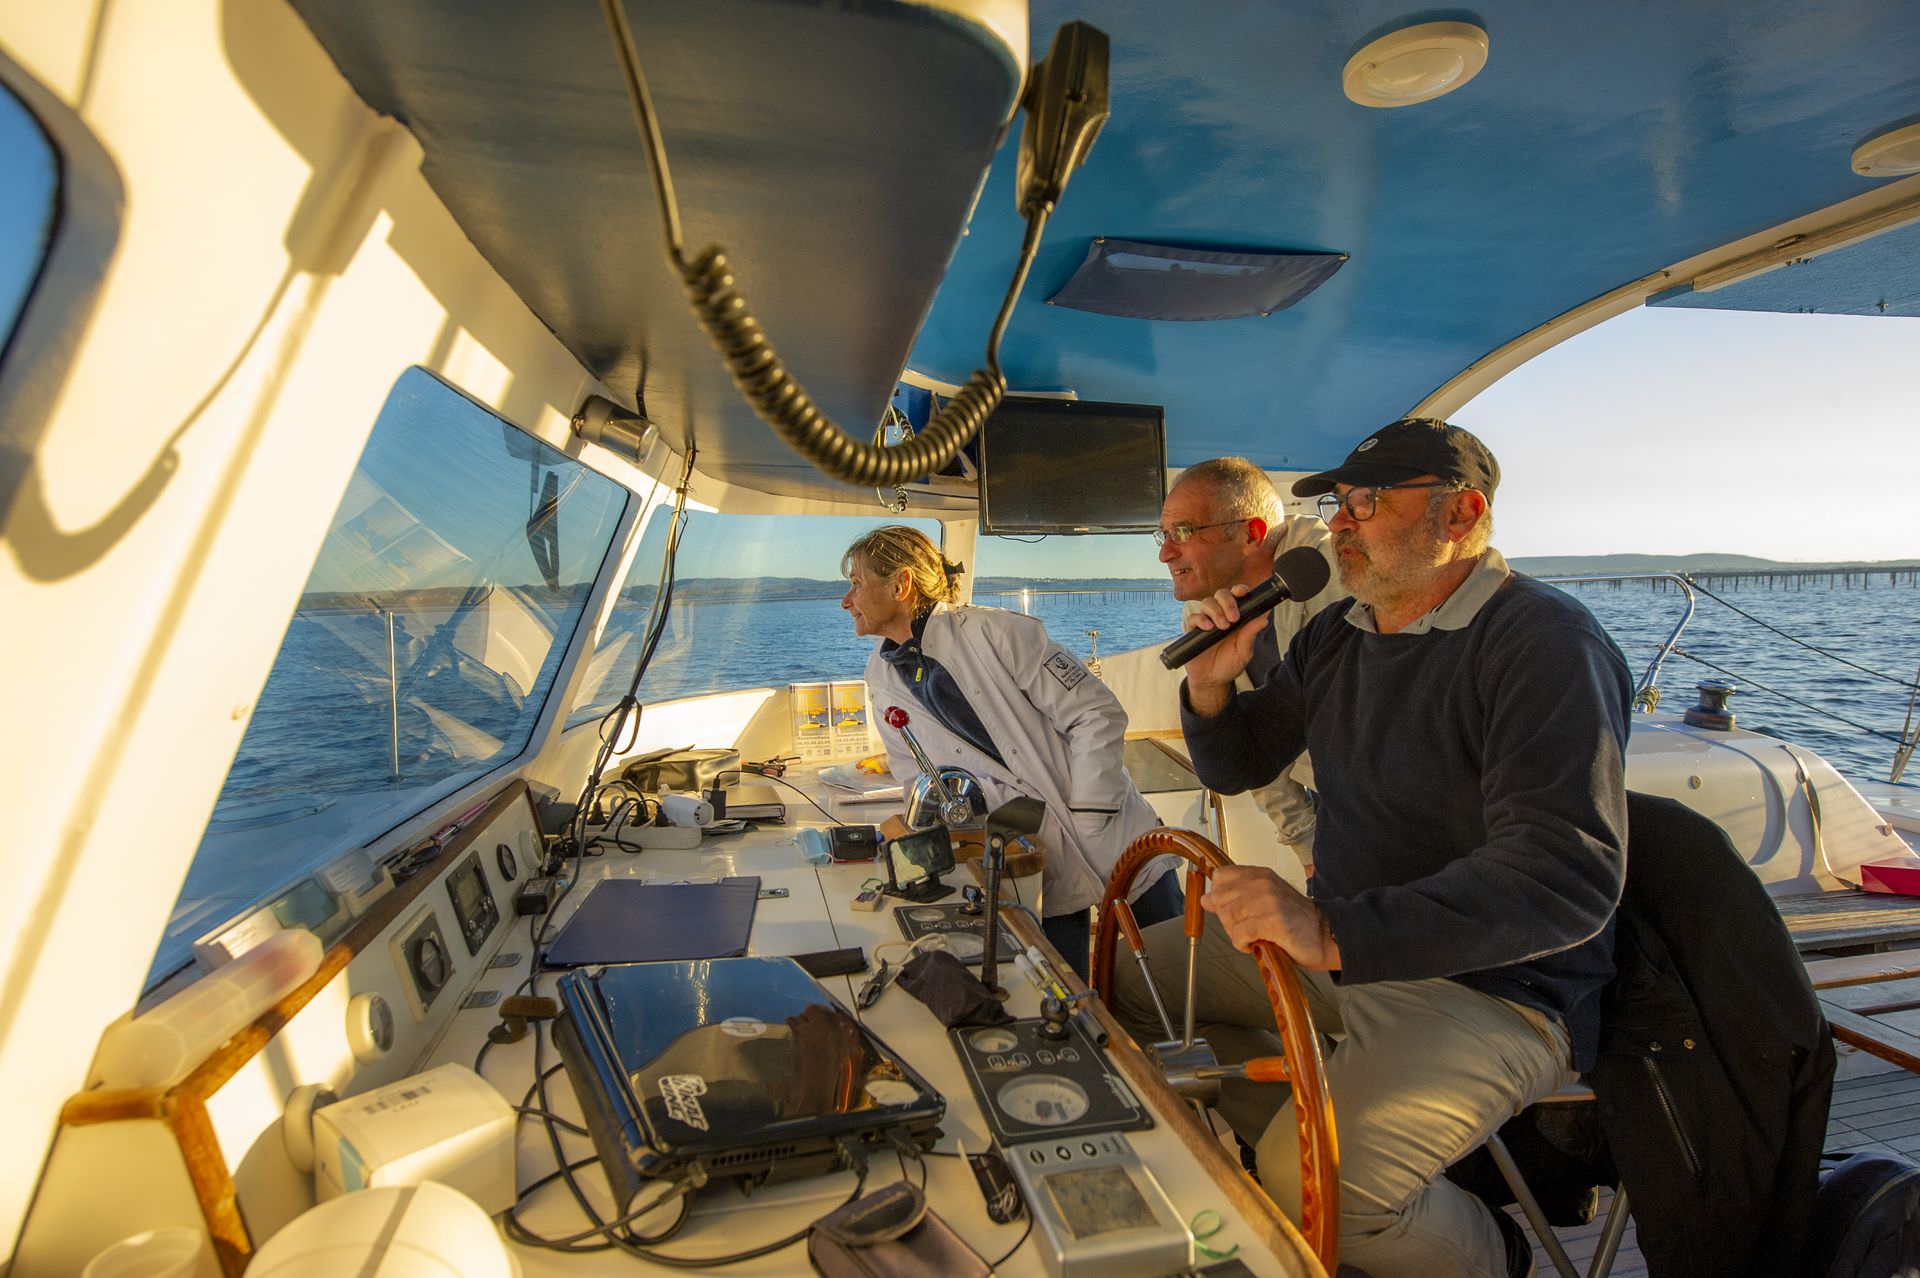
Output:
[[1054, 1013]]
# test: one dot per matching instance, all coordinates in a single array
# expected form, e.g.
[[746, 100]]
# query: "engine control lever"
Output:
[[956, 809]]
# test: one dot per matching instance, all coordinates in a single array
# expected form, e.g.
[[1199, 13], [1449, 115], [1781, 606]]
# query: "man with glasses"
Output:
[[1222, 525], [1468, 728]]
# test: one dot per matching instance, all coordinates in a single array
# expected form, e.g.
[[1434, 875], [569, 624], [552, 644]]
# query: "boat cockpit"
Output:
[[389, 468]]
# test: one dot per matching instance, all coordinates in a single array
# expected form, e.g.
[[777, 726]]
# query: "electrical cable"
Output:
[[994, 1267], [615, 719], [765, 1249], [742, 772], [669, 1192], [759, 373], [898, 421], [530, 1111]]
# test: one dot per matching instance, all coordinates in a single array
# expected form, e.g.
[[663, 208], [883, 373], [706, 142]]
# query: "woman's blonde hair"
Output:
[[885, 551]]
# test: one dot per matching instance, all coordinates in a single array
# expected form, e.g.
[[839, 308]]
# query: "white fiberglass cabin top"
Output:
[[346, 393]]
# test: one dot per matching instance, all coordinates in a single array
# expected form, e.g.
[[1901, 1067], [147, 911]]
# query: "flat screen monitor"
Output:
[[1069, 466]]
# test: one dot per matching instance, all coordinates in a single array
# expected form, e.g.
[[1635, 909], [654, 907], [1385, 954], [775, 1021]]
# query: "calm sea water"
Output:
[[713, 645], [324, 726]]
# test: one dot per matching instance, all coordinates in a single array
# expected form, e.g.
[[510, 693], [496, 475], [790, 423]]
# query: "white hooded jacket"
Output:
[[1057, 727]]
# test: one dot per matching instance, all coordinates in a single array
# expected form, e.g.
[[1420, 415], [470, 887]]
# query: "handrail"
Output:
[[1646, 694]]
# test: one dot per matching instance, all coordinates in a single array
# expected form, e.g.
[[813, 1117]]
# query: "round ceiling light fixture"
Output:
[[1895, 153], [1415, 64]]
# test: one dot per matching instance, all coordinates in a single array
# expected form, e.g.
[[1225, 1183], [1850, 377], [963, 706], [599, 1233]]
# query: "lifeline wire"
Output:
[[1897, 682], [1804, 705]]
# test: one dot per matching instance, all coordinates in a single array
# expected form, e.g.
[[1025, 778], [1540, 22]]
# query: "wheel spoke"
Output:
[[1302, 1064]]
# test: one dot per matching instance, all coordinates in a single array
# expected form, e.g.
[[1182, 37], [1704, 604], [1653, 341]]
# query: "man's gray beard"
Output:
[[1379, 588]]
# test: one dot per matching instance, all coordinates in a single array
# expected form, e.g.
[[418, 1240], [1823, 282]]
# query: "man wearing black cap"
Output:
[[1468, 728]]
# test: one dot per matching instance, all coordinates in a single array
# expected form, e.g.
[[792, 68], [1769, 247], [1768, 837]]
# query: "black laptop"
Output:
[[744, 1067]]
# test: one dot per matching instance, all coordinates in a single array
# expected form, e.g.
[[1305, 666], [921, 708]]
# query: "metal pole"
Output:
[[393, 698], [990, 956]]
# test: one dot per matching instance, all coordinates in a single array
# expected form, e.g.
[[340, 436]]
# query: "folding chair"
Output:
[[1611, 1232]]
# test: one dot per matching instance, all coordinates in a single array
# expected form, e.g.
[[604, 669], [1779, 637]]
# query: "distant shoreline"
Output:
[[771, 589]]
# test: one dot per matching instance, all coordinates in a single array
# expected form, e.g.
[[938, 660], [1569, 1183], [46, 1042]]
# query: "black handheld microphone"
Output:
[[1301, 573]]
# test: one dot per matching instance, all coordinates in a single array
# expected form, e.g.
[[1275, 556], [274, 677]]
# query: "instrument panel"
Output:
[[1037, 1080]]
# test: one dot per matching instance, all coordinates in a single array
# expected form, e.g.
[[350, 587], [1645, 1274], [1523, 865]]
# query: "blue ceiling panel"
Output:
[[1880, 276], [1600, 143]]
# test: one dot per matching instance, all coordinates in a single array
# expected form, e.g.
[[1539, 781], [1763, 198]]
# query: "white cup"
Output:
[[178, 1252]]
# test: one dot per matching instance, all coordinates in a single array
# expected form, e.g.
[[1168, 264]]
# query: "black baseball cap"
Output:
[[1408, 449]]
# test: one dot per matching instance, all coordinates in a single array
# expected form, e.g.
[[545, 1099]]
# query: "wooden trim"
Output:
[[1263, 1217], [1875, 1037], [1862, 969], [113, 1105], [1219, 806], [183, 1106], [212, 1180], [1164, 743]]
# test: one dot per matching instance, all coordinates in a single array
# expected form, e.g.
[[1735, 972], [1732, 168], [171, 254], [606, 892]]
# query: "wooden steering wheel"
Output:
[[1303, 1065]]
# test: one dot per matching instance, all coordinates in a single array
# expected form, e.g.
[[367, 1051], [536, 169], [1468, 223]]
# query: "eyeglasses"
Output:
[[1181, 534], [1360, 502]]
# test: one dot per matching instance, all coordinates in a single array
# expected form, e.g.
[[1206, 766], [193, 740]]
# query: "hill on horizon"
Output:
[[1533, 565], [1576, 565]]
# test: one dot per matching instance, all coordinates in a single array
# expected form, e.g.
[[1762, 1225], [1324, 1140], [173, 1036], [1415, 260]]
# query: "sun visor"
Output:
[[1137, 280]]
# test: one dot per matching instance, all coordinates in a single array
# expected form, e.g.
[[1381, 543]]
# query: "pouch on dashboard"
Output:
[[890, 1233], [950, 991], [682, 770]]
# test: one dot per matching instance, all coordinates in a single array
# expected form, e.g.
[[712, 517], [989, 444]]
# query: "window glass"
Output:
[[29, 176], [1096, 595], [423, 647], [756, 604]]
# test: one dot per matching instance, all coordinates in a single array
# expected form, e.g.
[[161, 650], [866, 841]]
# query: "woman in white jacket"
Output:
[[990, 692]]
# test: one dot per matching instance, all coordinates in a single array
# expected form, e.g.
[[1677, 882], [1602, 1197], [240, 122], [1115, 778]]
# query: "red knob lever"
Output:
[[896, 718]]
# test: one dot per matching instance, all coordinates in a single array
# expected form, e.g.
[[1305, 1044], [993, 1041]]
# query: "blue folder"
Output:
[[623, 921]]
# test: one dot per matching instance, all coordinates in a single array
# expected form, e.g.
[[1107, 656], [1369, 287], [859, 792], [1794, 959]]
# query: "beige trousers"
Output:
[[1422, 1072]]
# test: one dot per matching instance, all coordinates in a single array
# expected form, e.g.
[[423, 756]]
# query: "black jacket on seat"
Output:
[[1715, 1063]]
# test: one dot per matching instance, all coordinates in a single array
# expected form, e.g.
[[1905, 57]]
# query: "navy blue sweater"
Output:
[[1472, 819]]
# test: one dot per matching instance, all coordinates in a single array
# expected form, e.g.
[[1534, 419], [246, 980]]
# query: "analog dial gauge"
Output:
[[1042, 1102], [993, 1040]]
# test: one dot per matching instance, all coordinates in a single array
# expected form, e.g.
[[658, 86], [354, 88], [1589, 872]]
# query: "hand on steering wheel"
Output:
[[1302, 1065]]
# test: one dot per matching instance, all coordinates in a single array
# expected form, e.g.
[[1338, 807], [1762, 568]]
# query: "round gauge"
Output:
[[509, 865], [430, 963], [993, 1040], [965, 946], [892, 1091], [926, 916], [1042, 1102], [369, 1027]]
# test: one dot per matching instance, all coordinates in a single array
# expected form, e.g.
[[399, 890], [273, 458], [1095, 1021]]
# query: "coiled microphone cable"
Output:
[[757, 370]]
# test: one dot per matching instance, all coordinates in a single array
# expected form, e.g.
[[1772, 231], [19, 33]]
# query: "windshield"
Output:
[[422, 650], [1097, 596], [756, 604], [28, 179]]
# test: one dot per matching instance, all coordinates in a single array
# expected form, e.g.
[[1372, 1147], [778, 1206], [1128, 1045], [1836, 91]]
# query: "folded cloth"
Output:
[[950, 991]]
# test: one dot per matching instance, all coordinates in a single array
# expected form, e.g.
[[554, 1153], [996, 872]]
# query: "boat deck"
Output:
[[1876, 1108], [1850, 919]]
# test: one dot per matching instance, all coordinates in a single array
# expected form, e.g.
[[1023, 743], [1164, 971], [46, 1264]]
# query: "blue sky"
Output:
[[1790, 437], [1660, 431]]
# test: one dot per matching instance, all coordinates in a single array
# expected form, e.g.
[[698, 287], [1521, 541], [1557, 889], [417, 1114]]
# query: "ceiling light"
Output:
[[1415, 64], [1894, 153]]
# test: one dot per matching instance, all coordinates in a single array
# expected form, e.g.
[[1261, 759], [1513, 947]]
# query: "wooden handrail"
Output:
[[182, 1106]]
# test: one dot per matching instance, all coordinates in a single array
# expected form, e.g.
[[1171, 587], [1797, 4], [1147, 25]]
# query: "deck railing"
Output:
[[1646, 693]]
